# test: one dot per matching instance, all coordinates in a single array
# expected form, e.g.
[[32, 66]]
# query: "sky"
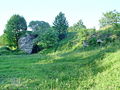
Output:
[[90, 11]]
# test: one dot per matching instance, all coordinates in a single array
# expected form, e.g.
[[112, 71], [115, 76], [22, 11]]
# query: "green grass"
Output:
[[71, 67], [80, 69]]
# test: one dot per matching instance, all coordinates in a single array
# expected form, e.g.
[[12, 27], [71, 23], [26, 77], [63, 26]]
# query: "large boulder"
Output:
[[27, 45]]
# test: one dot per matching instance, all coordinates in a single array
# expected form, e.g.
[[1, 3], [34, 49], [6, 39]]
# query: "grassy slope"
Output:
[[69, 69]]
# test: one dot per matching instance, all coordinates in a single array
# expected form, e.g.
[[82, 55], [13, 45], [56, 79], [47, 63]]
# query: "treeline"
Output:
[[46, 35]]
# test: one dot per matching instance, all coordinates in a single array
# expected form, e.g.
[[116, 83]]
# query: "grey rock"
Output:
[[99, 41], [26, 43], [85, 44]]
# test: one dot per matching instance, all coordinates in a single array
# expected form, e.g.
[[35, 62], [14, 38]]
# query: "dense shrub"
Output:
[[75, 38], [3, 40], [48, 38], [104, 37]]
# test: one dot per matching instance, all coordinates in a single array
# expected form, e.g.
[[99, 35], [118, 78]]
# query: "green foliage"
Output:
[[79, 25], [46, 38], [75, 38], [15, 27], [105, 36], [110, 18], [61, 25], [38, 25], [3, 40]]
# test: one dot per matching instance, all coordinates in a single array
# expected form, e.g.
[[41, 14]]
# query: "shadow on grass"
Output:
[[90, 60], [70, 67]]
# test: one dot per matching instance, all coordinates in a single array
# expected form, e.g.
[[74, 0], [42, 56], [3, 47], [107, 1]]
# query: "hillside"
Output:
[[71, 67]]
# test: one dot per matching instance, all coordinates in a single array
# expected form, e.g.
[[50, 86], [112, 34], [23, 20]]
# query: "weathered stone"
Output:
[[26, 43], [99, 41], [85, 44]]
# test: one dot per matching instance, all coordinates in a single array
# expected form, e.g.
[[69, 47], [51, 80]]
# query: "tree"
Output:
[[15, 27], [38, 25], [61, 25], [79, 25], [110, 18], [46, 36]]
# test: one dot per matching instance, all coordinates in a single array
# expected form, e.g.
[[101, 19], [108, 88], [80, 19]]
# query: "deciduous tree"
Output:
[[15, 27], [38, 25], [110, 18]]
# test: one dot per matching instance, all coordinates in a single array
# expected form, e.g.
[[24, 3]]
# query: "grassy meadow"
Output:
[[69, 68]]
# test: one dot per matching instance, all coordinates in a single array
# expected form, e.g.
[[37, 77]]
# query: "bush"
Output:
[[3, 41], [104, 37], [75, 38], [47, 39]]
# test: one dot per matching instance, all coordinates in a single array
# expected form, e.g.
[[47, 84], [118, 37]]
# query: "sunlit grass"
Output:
[[71, 67], [81, 69]]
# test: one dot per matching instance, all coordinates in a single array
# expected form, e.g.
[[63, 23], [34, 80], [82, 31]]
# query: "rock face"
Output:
[[26, 44]]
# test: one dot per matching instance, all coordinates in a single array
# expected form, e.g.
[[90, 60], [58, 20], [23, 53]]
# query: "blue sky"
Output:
[[90, 11]]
